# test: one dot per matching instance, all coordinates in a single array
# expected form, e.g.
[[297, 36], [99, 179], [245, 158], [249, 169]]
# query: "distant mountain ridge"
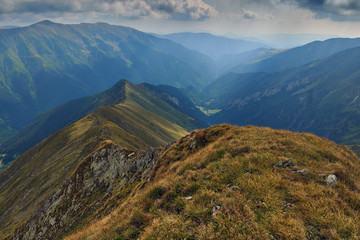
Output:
[[150, 97], [214, 46], [138, 121], [229, 62], [298, 56], [321, 97], [46, 64]]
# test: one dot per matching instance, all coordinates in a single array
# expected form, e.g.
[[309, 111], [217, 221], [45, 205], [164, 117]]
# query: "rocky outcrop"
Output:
[[285, 164], [331, 180], [91, 184]]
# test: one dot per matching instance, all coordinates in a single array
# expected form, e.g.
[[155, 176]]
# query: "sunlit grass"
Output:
[[50, 162], [231, 169], [208, 112]]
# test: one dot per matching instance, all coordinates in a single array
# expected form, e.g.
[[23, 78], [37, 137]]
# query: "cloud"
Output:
[[248, 14], [242, 14], [168, 9], [338, 10], [184, 9]]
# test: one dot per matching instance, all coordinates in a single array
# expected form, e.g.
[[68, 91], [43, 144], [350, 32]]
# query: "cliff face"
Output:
[[98, 180]]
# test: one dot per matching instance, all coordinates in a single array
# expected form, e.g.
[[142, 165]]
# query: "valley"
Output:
[[79, 60], [107, 132]]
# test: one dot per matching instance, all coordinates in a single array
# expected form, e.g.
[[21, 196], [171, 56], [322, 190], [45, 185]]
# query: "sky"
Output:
[[236, 17]]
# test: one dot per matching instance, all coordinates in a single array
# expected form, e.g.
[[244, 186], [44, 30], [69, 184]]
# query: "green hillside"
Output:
[[47, 64], [321, 97], [145, 95], [77, 163], [43, 168]]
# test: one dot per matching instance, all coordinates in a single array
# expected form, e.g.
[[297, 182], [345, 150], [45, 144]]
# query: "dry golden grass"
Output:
[[232, 169], [52, 161]]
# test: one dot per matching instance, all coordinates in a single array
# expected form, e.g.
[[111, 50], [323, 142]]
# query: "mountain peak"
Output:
[[45, 22], [121, 83], [118, 90]]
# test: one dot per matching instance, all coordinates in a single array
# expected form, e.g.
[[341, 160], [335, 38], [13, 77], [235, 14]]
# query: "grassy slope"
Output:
[[146, 96], [154, 103], [43, 168], [55, 119], [321, 98], [47, 64], [233, 168]]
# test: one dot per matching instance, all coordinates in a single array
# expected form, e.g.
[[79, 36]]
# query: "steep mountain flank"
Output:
[[321, 97], [36, 173], [47, 64], [147, 96], [229, 182], [92, 190]]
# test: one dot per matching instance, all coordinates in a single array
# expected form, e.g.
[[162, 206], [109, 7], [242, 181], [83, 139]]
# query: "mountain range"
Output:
[[212, 45], [320, 97], [136, 119], [163, 101], [230, 62], [298, 56], [47, 64], [84, 155]]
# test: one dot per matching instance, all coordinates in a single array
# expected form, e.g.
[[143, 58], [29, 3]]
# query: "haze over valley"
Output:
[[182, 119]]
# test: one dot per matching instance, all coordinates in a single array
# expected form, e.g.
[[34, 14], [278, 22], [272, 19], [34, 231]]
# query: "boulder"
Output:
[[331, 180], [286, 163], [303, 171]]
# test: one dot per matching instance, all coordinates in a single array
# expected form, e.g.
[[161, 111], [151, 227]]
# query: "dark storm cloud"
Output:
[[171, 9], [36, 6], [338, 10]]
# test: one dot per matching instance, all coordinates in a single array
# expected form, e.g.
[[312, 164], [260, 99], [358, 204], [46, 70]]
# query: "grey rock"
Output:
[[192, 144], [288, 204], [331, 180], [100, 173], [215, 210], [284, 164], [303, 171], [188, 198], [235, 188]]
